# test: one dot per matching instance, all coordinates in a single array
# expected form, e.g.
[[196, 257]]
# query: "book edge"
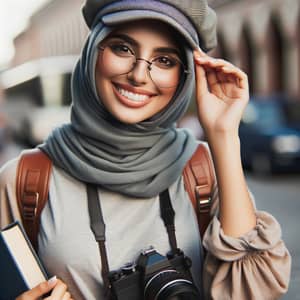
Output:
[[32, 250]]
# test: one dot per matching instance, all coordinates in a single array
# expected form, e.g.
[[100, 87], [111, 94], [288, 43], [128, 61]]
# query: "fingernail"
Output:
[[52, 281]]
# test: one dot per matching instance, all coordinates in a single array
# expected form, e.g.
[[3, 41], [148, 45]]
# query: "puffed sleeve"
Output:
[[255, 266]]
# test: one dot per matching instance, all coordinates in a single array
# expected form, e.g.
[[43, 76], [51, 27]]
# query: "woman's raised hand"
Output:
[[58, 288], [222, 94]]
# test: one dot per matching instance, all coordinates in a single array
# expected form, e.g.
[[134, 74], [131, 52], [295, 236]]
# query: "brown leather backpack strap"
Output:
[[199, 180], [32, 187]]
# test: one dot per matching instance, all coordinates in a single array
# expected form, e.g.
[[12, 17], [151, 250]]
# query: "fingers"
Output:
[[60, 292], [62, 296], [220, 70], [201, 79], [67, 296], [40, 290]]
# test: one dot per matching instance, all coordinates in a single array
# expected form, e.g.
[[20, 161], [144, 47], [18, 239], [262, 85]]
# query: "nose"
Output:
[[140, 72]]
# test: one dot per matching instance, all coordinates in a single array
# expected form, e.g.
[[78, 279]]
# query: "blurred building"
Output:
[[56, 29], [1, 95], [262, 37]]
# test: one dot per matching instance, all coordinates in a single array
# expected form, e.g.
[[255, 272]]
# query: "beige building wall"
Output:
[[262, 37], [57, 29]]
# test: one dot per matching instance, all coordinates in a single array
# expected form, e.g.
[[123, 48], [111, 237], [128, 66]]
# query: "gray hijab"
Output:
[[139, 160]]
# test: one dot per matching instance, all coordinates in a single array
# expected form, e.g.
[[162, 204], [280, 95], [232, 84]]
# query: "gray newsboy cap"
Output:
[[194, 19]]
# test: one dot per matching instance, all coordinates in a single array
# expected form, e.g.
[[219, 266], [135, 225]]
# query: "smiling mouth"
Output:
[[130, 97]]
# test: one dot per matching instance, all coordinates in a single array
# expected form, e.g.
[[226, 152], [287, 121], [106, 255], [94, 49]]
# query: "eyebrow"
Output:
[[133, 42]]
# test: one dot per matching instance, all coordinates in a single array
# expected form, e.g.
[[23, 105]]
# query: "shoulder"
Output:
[[8, 205], [8, 172], [202, 154], [200, 145], [62, 179], [201, 142], [204, 144]]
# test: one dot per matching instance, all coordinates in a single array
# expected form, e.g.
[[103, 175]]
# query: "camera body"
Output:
[[154, 276]]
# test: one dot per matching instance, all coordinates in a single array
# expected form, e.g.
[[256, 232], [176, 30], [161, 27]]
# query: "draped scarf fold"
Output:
[[138, 160]]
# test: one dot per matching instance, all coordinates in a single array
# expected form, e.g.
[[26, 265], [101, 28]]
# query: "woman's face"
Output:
[[129, 90]]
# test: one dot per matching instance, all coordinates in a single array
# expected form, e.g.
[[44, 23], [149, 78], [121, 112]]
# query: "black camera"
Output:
[[155, 277]]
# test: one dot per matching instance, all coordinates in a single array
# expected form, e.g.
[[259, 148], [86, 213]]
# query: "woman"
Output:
[[132, 83]]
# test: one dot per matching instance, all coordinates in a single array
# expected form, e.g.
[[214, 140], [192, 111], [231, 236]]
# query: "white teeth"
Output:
[[133, 96]]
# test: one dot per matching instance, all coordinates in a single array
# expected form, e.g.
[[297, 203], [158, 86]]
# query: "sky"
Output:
[[14, 17]]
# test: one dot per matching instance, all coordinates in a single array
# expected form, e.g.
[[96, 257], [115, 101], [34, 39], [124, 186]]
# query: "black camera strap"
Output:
[[168, 215], [98, 226]]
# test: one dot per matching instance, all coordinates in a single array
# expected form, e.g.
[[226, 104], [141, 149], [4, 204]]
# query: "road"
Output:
[[280, 195]]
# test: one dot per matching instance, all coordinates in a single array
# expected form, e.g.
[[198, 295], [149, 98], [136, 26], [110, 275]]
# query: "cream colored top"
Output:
[[254, 266]]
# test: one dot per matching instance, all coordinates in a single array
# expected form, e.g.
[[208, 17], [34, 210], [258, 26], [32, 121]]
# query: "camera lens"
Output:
[[170, 285]]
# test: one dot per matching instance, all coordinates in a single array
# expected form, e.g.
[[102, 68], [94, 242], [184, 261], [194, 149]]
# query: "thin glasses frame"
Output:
[[184, 71]]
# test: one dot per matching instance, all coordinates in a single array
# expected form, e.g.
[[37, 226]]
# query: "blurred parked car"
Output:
[[270, 135], [37, 97]]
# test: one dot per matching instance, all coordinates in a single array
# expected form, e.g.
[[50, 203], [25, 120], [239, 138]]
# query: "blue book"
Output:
[[20, 267]]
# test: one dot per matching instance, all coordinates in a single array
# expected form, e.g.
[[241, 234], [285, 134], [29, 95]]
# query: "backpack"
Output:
[[33, 176]]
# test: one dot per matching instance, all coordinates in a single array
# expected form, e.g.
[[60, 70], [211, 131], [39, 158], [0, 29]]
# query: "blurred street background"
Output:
[[42, 39], [280, 195]]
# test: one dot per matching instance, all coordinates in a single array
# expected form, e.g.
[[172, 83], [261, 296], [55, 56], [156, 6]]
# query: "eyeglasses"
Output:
[[165, 70]]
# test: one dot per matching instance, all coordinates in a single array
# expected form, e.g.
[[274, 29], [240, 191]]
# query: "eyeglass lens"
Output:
[[165, 71]]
